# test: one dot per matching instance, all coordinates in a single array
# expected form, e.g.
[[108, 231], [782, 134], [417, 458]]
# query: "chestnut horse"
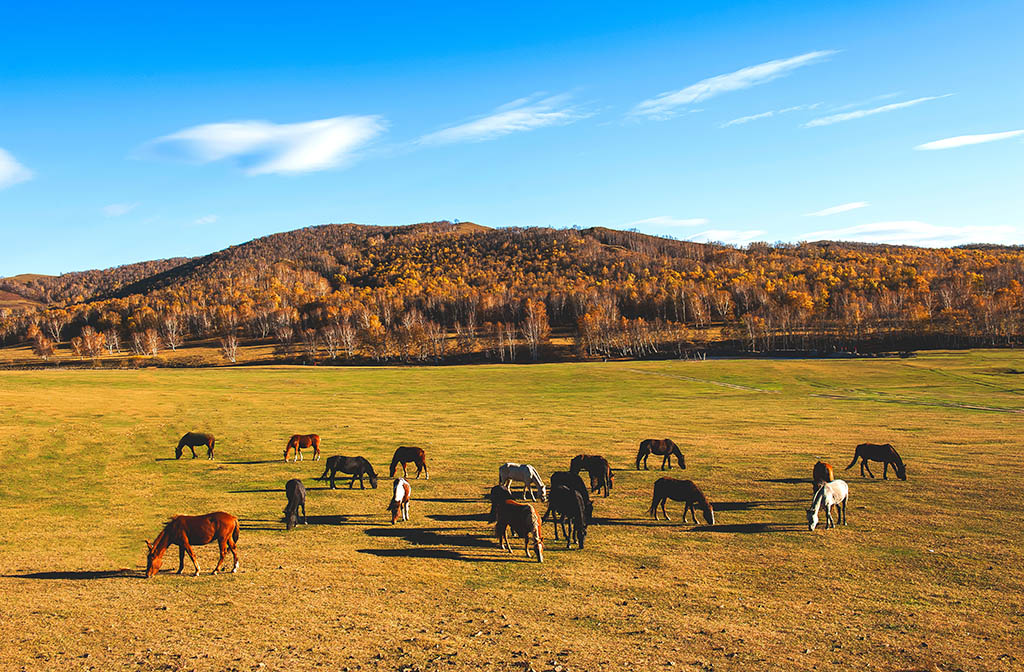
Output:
[[193, 439], [664, 447], [681, 491], [884, 453], [399, 504], [822, 474], [406, 454], [189, 531], [598, 468], [520, 517], [300, 441]]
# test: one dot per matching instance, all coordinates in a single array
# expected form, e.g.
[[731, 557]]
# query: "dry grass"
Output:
[[927, 575]]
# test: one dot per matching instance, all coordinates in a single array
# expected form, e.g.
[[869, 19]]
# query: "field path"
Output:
[[705, 380]]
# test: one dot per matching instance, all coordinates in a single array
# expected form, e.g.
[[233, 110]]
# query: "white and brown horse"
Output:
[[399, 504], [828, 495]]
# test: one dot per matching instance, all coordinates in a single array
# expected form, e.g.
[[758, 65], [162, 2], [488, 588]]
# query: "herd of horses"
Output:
[[570, 507]]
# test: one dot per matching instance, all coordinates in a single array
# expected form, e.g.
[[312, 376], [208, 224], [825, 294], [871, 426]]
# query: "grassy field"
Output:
[[928, 574]]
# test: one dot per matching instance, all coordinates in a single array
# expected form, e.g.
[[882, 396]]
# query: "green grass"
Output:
[[928, 573]]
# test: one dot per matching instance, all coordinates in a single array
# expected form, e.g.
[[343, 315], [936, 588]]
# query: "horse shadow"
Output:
[[87, 575], [747, 506], [630, 522], [252, 462], [429, 553], [277, 525], [748, 528], [458, 517], [431, 537], [451, 500], [787, 481]]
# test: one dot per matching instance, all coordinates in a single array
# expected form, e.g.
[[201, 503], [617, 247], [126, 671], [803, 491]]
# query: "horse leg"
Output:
[[193, 449], [663, 508], [223, 551], [231, 544], [663, 461], [426, 474], [303, 512], [406, 509], [868, 467], [333, 472], [181, 558], [885, 471], [188, 549]]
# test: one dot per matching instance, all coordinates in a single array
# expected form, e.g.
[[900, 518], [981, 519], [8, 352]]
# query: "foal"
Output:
[[399, 504], [831, 494]]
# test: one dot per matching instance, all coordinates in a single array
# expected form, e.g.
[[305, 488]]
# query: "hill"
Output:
[[438, 290]]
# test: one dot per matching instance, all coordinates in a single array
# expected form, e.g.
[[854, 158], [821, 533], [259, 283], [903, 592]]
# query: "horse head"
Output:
[[681, 458], [153, 560], [901, 471], [812, 519], [373, 479], [709, 515]]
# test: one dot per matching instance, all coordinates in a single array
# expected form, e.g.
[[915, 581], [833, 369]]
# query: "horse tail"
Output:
[[234, 535], [640, 453], [654, 502], [856, 456]]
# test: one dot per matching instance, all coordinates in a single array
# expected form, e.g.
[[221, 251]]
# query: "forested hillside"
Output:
[[437, 291]]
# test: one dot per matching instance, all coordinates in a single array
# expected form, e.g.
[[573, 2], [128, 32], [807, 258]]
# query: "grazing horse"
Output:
[[884, 453], [296, 492], [356, 466], [406, 454], [822, 474], [664, 447], [573, 482], [681, 491], [567, 506], [399, 504], [188, 531], [598, 468], [300, 441], [525, 474], [831, 494], [193, 439], [520, 517]]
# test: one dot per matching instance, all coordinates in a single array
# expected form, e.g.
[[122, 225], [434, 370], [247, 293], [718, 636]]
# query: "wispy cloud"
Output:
[[858, 114], [768, 114], [262, 147], [666, 105], [964, 140], [206, 219], [867, 101], [728, 236], [836, 209], [118, 209], [524, 114], [12, 172], [921, 234], [665, 220]]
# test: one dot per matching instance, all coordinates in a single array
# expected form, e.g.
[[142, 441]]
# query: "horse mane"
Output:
[[819, 497]]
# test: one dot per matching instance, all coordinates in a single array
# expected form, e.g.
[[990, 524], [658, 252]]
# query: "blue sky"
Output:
[[130, 133]]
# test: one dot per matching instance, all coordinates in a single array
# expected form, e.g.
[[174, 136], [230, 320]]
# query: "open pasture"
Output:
[[928, 573]]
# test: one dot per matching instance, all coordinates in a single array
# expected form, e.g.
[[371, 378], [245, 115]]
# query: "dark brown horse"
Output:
[[520, 517], [883, 453], [681, 491], [598, 468], [406, 454], [296, 493], [663, 447], [189, 531], [300, 441], [822, 474], [356, 466], [193, 439]]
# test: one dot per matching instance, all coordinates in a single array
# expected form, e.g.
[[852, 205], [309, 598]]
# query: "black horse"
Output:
[[884, 453], [567, 507], [356, 466], [296, 492], [193, 439], [598, 468], [663, 447], [573, 482]]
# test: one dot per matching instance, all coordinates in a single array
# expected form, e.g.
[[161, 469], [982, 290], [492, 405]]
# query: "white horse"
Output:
[[834, 493], [399, 504], [525, 474]]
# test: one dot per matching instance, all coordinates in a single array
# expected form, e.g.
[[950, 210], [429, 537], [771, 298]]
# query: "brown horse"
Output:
[[522, 518], [822, 474], [189, 531], [600, 471], [193, 439], [884, 453], [399, 504], [406, 454], [681, 491], [300, 441], [663, 447]]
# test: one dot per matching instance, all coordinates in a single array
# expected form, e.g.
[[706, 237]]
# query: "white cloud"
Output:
[[964, 140], [921, 234], [766, 115], [727, 236], [665, 105], [523, 114], [206, 219], [118, 209], [836, 209], [665, 220], [12, 172], [858, 114], [262, 147]]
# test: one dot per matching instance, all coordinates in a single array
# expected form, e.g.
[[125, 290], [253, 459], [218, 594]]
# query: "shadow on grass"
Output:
[[277, 525], [79, 576], [787, 481], [431, 537], [252, 462], [239, 492], [749, 528], [747, 506], [629, 522], [432, 553], [452, 500], [458, 517]]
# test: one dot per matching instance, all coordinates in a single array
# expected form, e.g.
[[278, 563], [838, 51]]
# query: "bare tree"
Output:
[[42, 346], [349, 337], [173, 329], [536, 328], [151, 341], [229, 347]]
